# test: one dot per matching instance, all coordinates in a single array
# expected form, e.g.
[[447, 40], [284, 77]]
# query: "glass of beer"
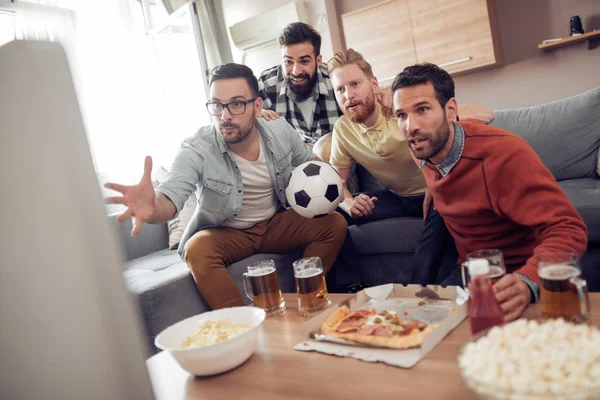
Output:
[[310, 286], [563, 293], [495, 260], [262, 286]]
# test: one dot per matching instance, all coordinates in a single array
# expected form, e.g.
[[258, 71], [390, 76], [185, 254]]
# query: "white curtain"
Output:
[[115, 75]]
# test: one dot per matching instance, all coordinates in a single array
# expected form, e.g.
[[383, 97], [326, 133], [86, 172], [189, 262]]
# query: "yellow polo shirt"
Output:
[[382, 150]]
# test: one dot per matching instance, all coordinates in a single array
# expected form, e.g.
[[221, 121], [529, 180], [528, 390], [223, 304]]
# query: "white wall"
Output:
[[269, 54]]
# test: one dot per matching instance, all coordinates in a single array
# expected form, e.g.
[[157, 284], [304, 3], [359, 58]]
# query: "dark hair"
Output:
[[233, 70], [427, 73], [299, 32]]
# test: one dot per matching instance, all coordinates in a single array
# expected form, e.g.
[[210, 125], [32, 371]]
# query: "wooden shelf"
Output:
[[570, 40]]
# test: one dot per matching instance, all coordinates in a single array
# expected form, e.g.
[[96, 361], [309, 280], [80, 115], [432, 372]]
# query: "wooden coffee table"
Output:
[[276, 371]]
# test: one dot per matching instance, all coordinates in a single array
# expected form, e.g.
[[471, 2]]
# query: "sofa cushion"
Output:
[[394, 235], [564, 133], [585, 197], [155, 262], [152, 237]]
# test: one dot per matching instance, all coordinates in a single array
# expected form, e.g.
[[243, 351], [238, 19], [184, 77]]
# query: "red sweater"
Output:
[[500, 195]]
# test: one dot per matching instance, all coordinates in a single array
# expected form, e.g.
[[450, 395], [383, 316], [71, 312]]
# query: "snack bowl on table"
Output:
[[211, 359], [549, 360]]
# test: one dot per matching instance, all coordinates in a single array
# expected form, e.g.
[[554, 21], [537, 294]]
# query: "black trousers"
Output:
[[435, 256]]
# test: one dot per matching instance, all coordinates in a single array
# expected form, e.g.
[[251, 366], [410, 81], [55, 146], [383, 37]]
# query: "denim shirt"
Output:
[[204, 164], [455, 153]]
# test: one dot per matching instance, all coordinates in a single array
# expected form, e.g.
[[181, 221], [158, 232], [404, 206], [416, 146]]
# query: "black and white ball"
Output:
[[315, 189]]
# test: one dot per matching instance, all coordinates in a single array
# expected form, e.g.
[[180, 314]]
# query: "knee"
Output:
[[338, 224], [322, 147], [195, 252]]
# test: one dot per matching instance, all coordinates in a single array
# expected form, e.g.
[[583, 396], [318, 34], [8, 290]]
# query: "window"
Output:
[[115, 74], [153, 13], [141, 90], [182, 64]]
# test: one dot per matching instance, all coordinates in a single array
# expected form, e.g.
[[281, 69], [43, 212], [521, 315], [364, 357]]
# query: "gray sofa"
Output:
[[565, 133]]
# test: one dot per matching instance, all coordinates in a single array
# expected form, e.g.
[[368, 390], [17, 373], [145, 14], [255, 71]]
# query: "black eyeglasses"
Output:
[[236, 107]]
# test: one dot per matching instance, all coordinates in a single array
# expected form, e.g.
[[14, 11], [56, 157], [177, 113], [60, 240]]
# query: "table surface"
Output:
[[276, 371]]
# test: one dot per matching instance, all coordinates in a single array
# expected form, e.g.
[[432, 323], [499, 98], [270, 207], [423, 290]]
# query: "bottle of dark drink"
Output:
[[485, 312]]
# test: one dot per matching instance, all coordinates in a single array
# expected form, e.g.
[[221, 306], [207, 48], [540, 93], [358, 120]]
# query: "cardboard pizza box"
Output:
[[446, 307]]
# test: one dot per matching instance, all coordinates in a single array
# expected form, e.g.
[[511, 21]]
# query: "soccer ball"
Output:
[[315, 189]]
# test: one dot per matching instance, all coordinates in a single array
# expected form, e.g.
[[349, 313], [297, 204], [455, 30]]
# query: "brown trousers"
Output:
[[210, 251]]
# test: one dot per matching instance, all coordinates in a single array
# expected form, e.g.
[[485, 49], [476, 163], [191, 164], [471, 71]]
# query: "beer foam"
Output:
[[479, 266], [558, 272], [261, 271], [308, 273]]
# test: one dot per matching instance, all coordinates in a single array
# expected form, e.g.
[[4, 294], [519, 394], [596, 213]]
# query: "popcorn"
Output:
[[528, 357]]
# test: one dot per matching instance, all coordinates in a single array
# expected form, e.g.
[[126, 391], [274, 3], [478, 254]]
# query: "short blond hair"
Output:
[[346, 57]]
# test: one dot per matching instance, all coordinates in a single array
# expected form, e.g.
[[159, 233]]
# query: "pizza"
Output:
[[383, 329]]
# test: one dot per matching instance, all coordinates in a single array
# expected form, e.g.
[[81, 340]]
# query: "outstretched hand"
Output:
[[139, 199]]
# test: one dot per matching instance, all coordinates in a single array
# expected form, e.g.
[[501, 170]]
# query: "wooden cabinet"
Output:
[[383, 34], [458, 35]]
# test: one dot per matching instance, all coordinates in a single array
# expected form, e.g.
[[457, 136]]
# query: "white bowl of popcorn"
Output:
[[213, 342], [531, 360]]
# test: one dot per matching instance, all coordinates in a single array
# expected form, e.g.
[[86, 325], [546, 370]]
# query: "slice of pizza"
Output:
[[384, 329]]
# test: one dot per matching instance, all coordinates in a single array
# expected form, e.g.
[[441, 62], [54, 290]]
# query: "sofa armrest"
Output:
[[152, 237]]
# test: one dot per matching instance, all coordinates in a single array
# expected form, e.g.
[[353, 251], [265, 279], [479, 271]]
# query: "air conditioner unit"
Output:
[[266, 27]]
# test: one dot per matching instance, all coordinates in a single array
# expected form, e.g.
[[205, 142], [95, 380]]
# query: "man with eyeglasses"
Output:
[[240, 167]]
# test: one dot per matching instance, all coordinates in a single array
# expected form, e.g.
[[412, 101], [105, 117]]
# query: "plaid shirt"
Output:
[[273, 89]]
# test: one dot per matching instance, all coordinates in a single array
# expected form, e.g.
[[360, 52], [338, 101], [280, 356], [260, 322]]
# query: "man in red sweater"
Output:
[[488, 184]]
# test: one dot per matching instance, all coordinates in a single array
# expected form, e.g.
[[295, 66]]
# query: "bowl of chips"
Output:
[[526, 360], [213, 342]]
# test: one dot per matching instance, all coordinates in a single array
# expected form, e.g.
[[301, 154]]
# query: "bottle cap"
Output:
[[479, 266]]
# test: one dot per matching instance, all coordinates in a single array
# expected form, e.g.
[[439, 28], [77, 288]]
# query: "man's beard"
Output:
[[436, 142], [239, 136], [303, 91], [363, 112]]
